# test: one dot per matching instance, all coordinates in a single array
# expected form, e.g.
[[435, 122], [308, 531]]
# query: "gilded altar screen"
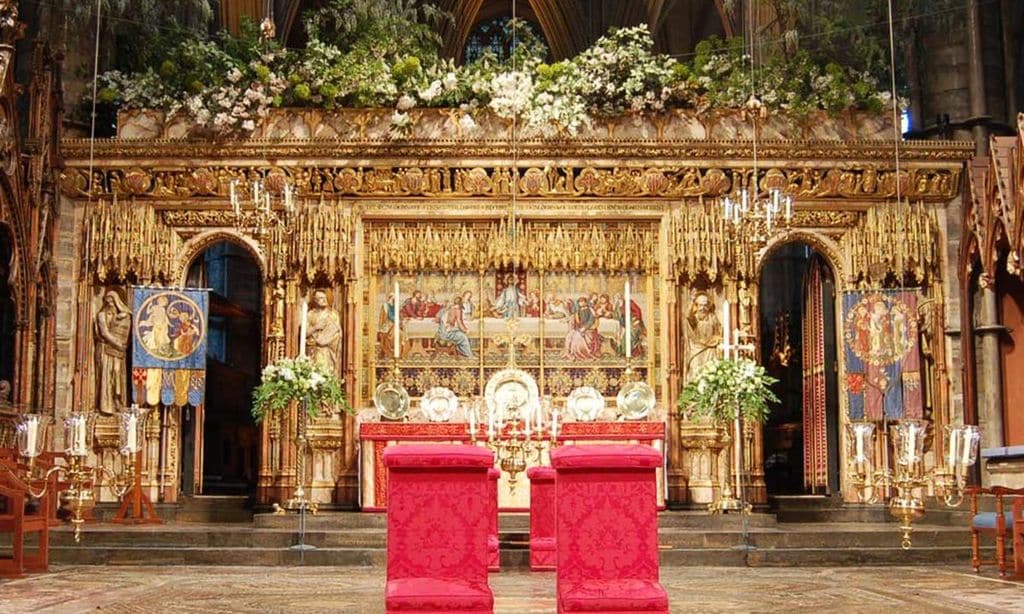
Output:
[[567, 330]]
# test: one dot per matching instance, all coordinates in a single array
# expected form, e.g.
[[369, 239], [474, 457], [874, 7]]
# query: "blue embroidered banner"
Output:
[[883, 362], [169, 345]]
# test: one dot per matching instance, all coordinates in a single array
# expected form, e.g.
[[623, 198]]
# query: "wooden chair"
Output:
[[17, 520], [999, 523]]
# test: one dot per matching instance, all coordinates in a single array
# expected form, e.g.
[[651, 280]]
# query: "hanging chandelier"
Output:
[[755, 216], [255, 204]]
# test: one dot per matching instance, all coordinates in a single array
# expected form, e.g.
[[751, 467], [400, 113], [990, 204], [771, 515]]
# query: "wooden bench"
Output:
[[19, 521]]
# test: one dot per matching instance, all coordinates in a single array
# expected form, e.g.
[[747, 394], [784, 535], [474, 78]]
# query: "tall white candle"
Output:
[[528, 423], [303, 326], [471, 409], [629, 327], [131, 437], [859, 430], [78, 446], [554, 424], [954, 437], [968, 443], [31, 435], [726, 341], [397, 330], [911, 443]]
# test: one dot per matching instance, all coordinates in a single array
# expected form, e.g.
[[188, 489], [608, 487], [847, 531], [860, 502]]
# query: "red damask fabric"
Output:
[[439, 505], [606, 529], [493, 551], [542, 518]]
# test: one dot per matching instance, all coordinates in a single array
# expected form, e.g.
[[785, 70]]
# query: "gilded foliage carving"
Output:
[[893, 240], [469, 246], [672, 180], [127, 240]]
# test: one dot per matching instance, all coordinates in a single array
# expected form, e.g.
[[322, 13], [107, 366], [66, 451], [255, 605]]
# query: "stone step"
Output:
[[510, 559]]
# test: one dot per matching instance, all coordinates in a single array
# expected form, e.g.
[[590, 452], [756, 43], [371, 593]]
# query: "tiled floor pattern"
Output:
[[360, 589]]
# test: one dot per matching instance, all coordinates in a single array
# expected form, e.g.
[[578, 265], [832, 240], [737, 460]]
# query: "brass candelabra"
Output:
[[517, 437], [77, 473], [906, 473]]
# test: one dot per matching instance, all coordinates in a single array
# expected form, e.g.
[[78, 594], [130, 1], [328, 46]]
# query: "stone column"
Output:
[[989, 376], [976, 75]]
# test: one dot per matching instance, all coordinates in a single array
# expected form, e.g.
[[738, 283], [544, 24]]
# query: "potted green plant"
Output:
[[300, 380], [727, 388]]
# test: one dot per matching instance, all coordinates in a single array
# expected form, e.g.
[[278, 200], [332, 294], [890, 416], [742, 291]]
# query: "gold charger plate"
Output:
[[391, 400]]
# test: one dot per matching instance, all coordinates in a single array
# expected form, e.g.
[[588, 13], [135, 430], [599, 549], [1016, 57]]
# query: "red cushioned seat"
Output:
[[439, 505], [542, 518], [423, 455], [626, 595], [605, 457], [493, 552], [606, 529], [435, 594], [540, 473]]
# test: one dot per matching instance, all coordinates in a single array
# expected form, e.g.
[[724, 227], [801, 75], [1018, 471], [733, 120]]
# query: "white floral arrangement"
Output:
[[228, 85], [298, 380], [727, 388]]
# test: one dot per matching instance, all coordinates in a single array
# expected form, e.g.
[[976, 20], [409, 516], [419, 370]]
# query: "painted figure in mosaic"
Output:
[[583, 341], [510, 300], [113, 324], [703, 333], [323, 333], [452, 328]]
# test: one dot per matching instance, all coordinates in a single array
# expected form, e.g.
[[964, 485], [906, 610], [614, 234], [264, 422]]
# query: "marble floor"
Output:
[[360, 589]]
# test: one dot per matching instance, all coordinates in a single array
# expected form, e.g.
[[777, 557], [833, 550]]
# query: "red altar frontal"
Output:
[[375, 437]]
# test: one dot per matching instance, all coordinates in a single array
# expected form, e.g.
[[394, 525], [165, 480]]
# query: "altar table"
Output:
[[375, 437]]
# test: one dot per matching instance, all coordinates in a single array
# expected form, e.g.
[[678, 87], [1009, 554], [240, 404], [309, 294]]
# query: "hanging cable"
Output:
[[897, 134]]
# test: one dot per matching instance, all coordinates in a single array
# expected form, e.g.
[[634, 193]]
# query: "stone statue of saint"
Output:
[[323, 333], [703, 333], [113, 324]]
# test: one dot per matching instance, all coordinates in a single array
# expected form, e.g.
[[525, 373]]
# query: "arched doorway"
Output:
[[798, 347], [8, 315], [220, 441]]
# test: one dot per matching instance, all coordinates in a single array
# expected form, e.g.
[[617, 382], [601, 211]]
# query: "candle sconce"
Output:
[[77, 473], [907, 473]]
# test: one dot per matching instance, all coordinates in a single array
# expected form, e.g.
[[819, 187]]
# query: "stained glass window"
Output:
[[495, 35]]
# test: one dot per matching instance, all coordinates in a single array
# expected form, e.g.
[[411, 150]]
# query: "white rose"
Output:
[[405, 103]]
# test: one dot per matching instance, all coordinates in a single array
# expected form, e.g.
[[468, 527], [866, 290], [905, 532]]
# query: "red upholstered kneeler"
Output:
[[493, 552], [542, 518], [606, 529], [438, 520]]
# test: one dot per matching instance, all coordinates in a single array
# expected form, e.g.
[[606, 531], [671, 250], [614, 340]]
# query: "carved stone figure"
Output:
[[323, 333], [113, 324], [703, 333]]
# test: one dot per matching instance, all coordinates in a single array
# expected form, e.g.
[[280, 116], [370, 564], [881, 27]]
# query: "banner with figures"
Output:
[[883, 354], [169, 345]]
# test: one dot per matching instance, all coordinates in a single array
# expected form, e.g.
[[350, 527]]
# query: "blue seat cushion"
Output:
[[987, 520]]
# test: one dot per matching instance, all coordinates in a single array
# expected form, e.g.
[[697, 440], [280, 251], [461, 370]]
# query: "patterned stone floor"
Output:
[[325, 589]]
